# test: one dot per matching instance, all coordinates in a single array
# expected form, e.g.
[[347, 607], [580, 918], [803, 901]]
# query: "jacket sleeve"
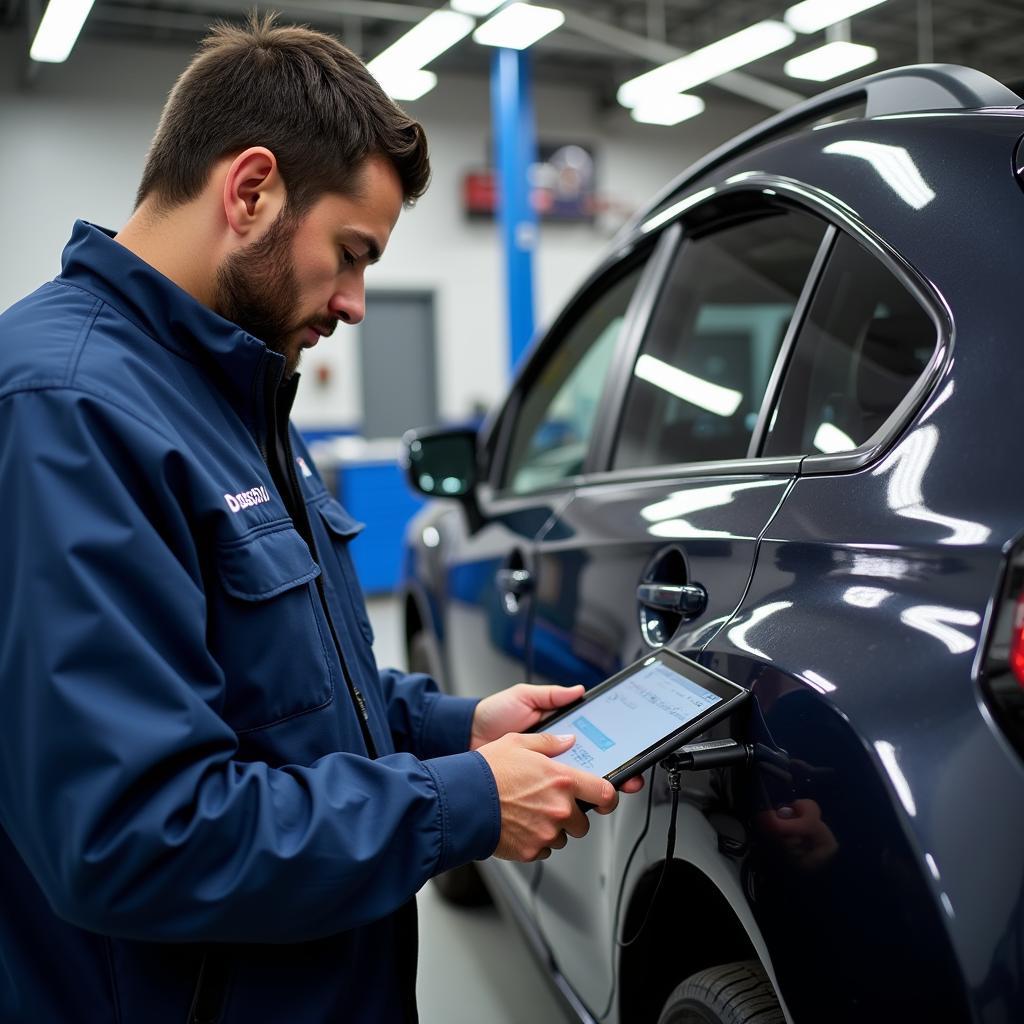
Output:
[[119, 783], [422, 720]]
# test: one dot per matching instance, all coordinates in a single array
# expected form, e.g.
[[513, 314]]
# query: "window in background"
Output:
[[704, 366]]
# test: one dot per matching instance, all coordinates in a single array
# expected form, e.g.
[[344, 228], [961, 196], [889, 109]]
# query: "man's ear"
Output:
[[254, 193]]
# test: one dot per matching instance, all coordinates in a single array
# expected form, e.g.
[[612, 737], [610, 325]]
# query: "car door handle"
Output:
[[516, 582], [684, 599]]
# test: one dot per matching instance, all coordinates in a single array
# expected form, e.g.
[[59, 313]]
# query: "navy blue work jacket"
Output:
[[213, 806]]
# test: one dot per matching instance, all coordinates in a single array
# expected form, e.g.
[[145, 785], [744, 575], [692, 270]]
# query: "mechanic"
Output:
[[213, 806]]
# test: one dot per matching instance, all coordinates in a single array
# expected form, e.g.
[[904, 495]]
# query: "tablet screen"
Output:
[[630, 717]]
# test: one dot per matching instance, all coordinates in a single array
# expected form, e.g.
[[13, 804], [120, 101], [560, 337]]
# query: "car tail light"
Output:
[[1003, 675], [1017, 641]]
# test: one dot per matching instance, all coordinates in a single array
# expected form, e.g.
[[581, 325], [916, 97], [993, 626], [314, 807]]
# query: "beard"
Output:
[[257, 290]]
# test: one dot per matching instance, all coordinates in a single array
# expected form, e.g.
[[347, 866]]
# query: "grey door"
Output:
[[398, 361]]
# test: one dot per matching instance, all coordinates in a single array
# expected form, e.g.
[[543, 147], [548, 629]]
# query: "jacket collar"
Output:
[[93, 261]]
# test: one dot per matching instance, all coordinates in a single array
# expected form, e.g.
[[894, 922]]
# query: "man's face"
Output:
[[293, 284]]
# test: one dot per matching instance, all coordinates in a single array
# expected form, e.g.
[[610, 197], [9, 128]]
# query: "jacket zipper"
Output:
[[211, 988], [290, 489]]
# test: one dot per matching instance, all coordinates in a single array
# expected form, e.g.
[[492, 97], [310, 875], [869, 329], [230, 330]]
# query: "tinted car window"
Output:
[[865, 342], [702, 371], [549, 440]]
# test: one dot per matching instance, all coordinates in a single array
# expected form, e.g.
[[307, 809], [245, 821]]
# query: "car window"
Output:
[[704, 366], [552, 431], [864, 343]]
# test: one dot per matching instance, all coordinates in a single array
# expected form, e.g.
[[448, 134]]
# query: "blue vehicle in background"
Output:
[[774, 432]]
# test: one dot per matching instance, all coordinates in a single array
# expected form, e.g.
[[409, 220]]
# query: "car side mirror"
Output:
[[441, 463]]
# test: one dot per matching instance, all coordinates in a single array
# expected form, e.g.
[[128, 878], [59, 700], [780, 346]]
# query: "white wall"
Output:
[[73, 145]]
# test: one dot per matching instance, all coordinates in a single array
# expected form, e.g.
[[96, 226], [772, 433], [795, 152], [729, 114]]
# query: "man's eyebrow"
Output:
[[372, 248]]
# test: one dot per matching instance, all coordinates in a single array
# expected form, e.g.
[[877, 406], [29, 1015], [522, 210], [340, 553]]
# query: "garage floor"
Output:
[[473, 965]]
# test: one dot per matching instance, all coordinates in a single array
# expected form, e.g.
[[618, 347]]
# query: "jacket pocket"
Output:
[[266, 628], [341, 528]]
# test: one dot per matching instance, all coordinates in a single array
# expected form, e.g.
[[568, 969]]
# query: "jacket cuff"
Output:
[[470, 810], [447, 724]]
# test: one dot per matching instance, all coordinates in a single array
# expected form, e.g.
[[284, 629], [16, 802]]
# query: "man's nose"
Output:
[[349, 305]]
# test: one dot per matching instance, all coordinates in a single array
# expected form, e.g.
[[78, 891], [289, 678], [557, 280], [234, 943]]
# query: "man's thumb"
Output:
[[548, 743]]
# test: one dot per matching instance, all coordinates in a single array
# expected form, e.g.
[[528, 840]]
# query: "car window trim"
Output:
[[786, 465], [616, 382], [773, 391], [617, 266]]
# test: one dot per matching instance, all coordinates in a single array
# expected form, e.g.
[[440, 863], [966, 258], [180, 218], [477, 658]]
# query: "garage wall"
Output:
[[74, 145]]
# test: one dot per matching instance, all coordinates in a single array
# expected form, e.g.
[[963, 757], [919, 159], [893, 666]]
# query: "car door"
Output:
[[537, 448], [658, 541]]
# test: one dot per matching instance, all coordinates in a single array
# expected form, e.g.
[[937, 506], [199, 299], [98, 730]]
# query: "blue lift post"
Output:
[[515, 151]]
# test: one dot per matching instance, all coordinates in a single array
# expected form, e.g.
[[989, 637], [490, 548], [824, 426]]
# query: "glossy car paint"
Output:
[[852, 600]]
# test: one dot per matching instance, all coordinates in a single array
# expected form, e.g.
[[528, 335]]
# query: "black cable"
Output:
[[674, 785]]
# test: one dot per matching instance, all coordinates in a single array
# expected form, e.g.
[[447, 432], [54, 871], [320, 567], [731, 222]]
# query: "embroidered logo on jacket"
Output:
[[257, 496]]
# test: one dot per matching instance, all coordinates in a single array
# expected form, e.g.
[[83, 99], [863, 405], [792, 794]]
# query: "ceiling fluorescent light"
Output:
[[58, 31], [478, 7], [426, 40], [671, 108], [518, 26], [407, 85], [708, 62], [814, 15], [830, 61]]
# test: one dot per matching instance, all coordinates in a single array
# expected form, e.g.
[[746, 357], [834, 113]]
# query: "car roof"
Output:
[[912, 89]]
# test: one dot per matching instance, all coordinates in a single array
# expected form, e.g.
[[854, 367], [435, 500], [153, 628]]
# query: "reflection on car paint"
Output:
[[907, 466], [938, 622], [738, 634], [895, 166], [865, 597], [887, 755], [679, 503]]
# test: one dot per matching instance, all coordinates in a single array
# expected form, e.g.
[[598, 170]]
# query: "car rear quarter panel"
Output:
[[859, 638]]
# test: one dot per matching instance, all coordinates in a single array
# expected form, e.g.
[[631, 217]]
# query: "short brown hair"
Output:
[[301, 94]]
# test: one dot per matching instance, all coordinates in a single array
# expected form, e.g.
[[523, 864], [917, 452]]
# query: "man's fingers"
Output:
[[546, 697], [633, 785], [546, 742], [578, 825], [592, 789]]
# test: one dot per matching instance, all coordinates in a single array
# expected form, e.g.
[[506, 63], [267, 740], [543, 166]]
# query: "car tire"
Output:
[[738, 993], [461, 886]]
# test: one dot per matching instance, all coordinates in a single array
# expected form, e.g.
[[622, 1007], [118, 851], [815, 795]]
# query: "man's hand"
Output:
[[516, 709], [538, 796]]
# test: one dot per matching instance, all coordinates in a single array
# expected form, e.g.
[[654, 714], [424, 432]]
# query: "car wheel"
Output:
[[737, 993], [462, 886]]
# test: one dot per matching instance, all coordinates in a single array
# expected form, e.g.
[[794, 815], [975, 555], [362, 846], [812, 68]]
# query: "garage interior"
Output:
[[460, 294]]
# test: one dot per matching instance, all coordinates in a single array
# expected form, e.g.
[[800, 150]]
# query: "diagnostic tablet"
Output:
[[643, 713]]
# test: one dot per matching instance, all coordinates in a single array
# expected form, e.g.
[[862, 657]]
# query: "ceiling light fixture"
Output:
[[830, 61], [426, 40], [407, 85], [58, 31], [518, 26], [667, 109], [708, 62], [814, 15]]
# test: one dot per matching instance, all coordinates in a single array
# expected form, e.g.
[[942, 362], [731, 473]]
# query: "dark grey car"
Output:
[[789, 397]]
